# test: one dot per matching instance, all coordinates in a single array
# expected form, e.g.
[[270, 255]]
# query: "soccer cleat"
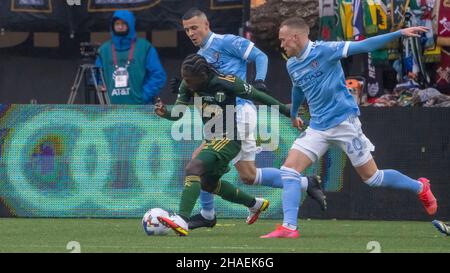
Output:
[[442, 227], [316, 192], [260, 206], [427, 197], [281, 232], [198, 221], [177, 224]]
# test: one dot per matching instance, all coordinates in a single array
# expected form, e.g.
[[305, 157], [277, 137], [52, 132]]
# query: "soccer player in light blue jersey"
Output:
[[317, 75], [229, 54]]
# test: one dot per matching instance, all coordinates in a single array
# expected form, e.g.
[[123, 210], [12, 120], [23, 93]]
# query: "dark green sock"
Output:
[[231, 193], [191, 192]]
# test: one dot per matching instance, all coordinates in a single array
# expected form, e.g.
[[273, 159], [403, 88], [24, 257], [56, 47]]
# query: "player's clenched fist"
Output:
[[297, 123]]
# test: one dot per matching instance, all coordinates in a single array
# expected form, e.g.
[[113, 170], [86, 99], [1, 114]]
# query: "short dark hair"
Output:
[[295, 22], [192, 12]]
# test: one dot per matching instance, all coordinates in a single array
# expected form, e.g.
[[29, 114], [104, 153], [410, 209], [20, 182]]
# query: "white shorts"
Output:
[[246, 118], [348, 135]]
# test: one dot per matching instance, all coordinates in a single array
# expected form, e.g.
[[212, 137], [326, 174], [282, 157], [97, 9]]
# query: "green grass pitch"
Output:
[[230, 235]]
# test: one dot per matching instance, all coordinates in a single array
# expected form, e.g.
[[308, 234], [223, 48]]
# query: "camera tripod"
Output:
[[89, 70]]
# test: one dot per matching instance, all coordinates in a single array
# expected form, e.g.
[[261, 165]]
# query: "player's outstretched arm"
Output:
[[165, 112], [264, 98], [183, 100], [244, 49], [247, 91], [380, 41]]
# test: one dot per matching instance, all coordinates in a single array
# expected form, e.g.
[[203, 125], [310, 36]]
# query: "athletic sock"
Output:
[[208, 214], [289, 226], [206, 200], [231, 193], [395, 180], [189, 197], [304, 183], [291, 195], [270, 177]]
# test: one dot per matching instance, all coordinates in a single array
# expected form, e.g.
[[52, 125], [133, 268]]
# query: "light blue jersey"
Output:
[[317, 74], [229, 54]]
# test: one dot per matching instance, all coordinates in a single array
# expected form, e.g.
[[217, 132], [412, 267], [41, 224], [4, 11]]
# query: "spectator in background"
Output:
[[131, 66]]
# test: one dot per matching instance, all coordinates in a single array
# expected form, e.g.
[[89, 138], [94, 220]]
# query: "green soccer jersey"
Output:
[[221, 91]]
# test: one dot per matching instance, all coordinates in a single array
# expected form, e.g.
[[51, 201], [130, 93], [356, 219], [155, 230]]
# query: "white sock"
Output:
[[304, 183], [257, 204], [208, 214], [420, 189], [289, 226], [258, 177]]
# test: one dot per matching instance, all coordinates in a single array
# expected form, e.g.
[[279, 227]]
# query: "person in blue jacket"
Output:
[[131, 67]]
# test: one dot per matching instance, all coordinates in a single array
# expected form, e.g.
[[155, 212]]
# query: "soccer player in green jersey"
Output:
[[217, 93]]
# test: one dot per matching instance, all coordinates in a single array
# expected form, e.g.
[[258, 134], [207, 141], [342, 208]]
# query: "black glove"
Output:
[[260, 85], [174, 84]]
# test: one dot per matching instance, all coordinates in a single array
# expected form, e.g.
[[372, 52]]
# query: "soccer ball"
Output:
[[151, 224]]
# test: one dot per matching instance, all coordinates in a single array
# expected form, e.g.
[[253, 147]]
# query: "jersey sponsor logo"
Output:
[[208, 98], [314, 64], [310, 77]]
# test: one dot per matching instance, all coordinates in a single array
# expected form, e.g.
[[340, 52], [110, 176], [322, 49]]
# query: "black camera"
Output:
[[89, 50]]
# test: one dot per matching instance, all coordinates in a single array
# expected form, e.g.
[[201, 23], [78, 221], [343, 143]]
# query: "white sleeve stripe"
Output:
[[345, 51], [249, 49]]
